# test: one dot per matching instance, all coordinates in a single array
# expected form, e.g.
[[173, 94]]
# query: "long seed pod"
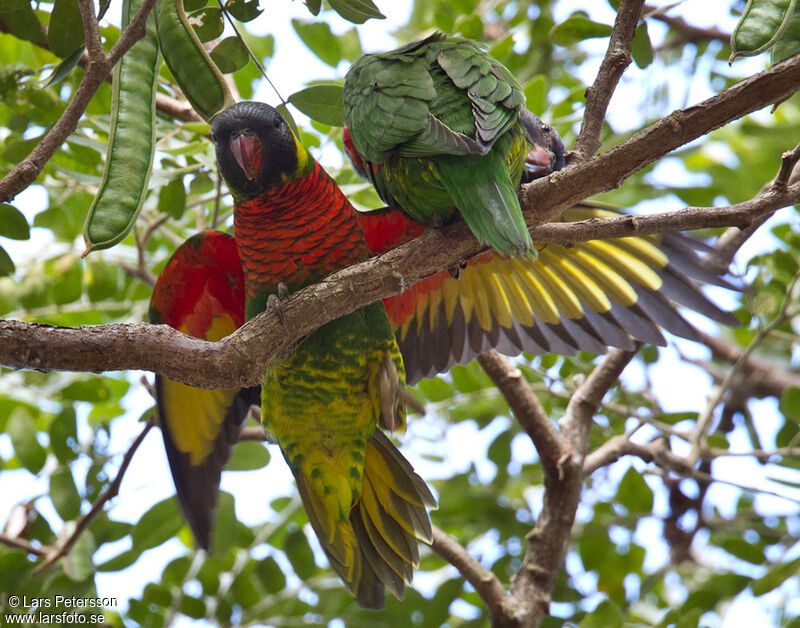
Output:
[[131, 141], [196, 74], [761, 25]]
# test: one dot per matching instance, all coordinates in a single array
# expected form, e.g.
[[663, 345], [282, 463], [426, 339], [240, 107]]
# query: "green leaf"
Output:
[[65, 495], [78, 564], [120, 561], [157, 525], [299, 554], [63, 434], [207, 23], [790, 403], [270, 574], [6, 265], [319, 39], [536, 94], [65, 32], [606, 615], [230, 55], [22, 21], [247, 456], [243, 10], [22, 431], [641, 48], [64, 69], [576, 28], [224, 523], [356, 11], [775, 577], [314, 6], [322, 103], [172, 198], [8, 6]]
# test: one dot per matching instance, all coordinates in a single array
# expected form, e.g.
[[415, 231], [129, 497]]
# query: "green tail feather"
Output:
[[482, 190], [376, 545]]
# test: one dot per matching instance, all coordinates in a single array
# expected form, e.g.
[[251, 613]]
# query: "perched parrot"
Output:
[[201, 293], [582, 298], [441, 126], [326, 403]]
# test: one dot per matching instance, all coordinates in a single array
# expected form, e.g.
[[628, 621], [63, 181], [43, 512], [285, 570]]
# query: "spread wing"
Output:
[[201, 293], [599, 294]]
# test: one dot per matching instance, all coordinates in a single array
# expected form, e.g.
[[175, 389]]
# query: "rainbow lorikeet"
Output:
[[201, 293], [441, 126], [582, 298], [325, 403]]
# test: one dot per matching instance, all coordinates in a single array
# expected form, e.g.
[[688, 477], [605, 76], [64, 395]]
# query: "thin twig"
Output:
[[486, 584], [526, 408], [616, 60], [705, 418], [61, 549], [91, 32], [16, 541]]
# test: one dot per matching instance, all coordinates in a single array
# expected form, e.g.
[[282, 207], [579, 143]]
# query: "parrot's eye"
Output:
[[277, 123]]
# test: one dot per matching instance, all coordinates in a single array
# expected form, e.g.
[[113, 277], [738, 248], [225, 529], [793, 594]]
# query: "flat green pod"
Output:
[[131, 141], [192, 67], [761, 25]]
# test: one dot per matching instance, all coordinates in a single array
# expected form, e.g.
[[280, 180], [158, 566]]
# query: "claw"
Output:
[[274, 301], [438, 223], [388, 386], [455, 269]]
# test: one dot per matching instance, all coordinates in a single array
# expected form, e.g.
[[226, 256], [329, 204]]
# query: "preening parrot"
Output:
[[440, 126], [405, 113], [326, 403]]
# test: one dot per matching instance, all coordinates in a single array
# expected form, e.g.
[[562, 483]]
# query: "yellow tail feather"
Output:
[[376, 545]]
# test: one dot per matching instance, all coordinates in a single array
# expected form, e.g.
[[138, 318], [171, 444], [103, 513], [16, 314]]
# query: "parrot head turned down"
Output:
[[440, 126]]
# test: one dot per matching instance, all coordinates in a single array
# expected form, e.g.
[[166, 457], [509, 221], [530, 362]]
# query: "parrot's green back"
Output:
[[326, 402], [438, 123]]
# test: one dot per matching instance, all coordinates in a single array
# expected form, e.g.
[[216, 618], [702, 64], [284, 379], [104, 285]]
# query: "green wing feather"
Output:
[[439, 122]]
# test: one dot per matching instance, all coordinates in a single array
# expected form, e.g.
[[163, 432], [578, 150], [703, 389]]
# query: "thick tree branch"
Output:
[[546, 198], [221, 364], [615, 62], [526, 408], [166, 351], [547, 541]]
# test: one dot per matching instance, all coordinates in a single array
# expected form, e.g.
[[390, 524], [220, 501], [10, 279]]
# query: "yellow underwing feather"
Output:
[[609, 280], [452, 297], [564, 298], [584, 286], [498, 299], [624, 263], [541, 302], [520, 306], [644, 250], [478, 298]]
